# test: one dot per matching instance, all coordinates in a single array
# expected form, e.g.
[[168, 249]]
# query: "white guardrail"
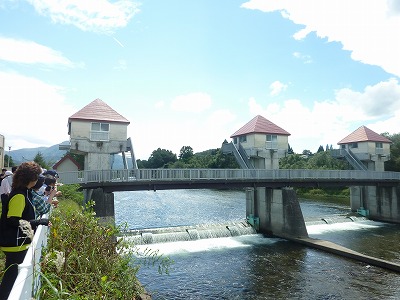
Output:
[[212, 174], [28, 280]]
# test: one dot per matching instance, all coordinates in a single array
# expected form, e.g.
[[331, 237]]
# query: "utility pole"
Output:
[[8, 163]]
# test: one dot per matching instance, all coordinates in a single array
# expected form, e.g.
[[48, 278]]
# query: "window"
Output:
[[99, 131], [354, 145], [242, 138], [100, 127], [272, 141], [235, 140], [379, 145]]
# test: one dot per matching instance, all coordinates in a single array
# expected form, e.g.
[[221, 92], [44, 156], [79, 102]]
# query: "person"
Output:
[[17, 223], [42, 203], [5, 186], [3, 174]]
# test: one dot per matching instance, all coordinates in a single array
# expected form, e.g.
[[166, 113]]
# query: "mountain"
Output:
[[50, 154]]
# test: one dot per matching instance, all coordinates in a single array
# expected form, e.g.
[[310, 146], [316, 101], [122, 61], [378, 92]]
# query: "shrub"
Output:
[[82, 260]]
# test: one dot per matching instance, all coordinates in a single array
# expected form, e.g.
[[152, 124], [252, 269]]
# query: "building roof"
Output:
[[260, 124], [364, 134], [98, 110], [65, 158]]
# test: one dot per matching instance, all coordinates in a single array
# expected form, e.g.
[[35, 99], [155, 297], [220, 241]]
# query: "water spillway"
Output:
[[188, 233]]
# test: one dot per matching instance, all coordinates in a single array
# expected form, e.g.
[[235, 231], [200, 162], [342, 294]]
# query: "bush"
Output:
[[82, 260]]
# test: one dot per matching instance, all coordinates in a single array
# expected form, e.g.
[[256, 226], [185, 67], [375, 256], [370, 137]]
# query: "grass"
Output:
[[84, 259]]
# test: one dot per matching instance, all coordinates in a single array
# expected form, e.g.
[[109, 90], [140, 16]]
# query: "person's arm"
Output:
[[40, 203]]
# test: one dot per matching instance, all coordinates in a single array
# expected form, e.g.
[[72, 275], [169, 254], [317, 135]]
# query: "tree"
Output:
[[307, 152], [160, 158], [186, 153], [320, 149], [6, 162], [290, 150], [40, 160], [394, 163]]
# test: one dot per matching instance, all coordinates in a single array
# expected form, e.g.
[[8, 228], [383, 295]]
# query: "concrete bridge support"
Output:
[[378, 203], [275, 211], [104, 204]]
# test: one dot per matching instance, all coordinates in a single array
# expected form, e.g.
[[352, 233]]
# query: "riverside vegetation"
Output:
[[86, 260]]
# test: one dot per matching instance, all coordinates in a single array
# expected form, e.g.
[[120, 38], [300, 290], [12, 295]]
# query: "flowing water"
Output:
[[252, 266]]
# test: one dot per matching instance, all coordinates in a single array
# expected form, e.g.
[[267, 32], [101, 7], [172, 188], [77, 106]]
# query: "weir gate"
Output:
[[271, 203]]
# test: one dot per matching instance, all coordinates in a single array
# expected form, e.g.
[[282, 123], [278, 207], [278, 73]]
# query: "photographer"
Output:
[[43, 202]]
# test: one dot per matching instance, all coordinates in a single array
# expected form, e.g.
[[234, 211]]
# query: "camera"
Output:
[[49, 188]]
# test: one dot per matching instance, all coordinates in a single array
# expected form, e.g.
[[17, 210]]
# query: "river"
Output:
[[254, 266]]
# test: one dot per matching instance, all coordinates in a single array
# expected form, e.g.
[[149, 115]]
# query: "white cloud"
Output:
[[369, 29], [277, 87], [380, 100], [327, 122], [194, 102], [36, 113], [28, 52], [304, 57], [89, 15]]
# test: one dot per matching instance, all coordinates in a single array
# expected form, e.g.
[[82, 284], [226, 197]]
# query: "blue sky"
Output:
[[191, 73]]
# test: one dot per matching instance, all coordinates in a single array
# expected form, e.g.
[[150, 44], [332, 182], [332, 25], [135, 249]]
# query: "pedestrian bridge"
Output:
[[158, 179]]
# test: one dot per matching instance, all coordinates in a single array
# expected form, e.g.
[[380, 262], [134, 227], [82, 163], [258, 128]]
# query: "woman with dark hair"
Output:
[[17, 223]]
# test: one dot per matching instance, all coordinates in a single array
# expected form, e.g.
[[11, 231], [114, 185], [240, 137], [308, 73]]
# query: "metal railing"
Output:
[[27, 283], [227, 174]]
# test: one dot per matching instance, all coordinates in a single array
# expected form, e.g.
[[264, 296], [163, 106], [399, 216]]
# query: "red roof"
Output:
[[260, 124], [98, 110], [364, 134]]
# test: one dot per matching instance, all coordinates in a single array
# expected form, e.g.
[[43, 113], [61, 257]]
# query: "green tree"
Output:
[[290, 150], [186, 153], [161, 158], [40, 160], [394, 163], [7, 162], [293, 161], [324, 160], [320, 149]]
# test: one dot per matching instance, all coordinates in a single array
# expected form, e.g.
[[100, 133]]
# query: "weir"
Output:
[[188, 233]]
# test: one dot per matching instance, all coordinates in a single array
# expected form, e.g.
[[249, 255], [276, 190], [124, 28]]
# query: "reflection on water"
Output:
[[253, 266]]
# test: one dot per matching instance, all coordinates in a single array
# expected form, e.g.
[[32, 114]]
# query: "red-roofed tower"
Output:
[[369, 147], [263, 142], [97, 131]]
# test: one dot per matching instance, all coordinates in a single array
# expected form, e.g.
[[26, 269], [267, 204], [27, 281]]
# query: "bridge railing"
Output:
[[212, 174]]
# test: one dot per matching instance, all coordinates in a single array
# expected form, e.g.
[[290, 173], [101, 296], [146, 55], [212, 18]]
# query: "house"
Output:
[[369, 147], [263, 142], [97, 131], [66, 164]]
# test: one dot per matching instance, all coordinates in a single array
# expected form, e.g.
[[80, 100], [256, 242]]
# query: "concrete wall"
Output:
[[382, 203], [104, 204], [278, 211], [81, 130], [2, 150]]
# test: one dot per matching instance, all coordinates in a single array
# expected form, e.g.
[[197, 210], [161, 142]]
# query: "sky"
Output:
[[191, 73]]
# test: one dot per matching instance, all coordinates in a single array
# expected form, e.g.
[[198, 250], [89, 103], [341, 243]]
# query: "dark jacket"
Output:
[[11, 234]]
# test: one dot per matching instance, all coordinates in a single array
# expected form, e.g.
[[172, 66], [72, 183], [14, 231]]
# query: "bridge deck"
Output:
[[157, 179]]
